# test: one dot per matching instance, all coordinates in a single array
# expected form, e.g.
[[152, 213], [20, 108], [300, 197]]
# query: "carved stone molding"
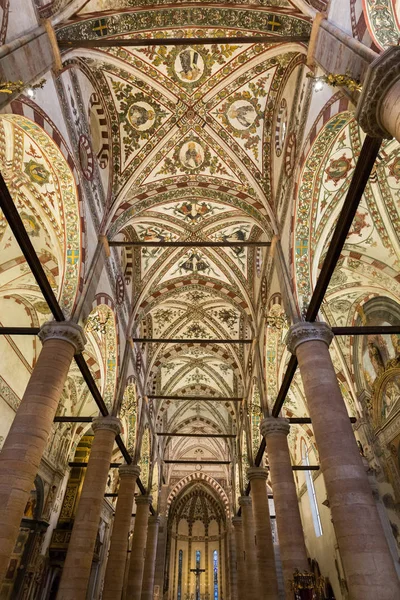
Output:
[[382, 74], [245, 501], [257, 473], [271, 426], [111, 423], [302, 332], [68, 331], [144, 500], [129, 471]]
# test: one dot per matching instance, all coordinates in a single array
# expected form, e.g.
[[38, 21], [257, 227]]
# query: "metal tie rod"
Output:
[[189, 341], [197, 435], [196, 398], [188, 244], [197, 462]]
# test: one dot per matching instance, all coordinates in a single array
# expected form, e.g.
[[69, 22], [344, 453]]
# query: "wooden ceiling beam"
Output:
[[197, 435], [189, 341], [196, 398], [107, 42], [189, 244]]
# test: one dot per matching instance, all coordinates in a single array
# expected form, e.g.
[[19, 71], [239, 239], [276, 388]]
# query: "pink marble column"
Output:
[[30, 430], [114, 577], [253, 589], [288, 520], [365, 554], [239, 543], [268, 584], [150, 558], [138, 550], [78, 563], [233, 565]]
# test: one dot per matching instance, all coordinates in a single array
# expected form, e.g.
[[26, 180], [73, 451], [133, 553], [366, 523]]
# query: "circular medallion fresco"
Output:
[[338, 168], [394, 169], [189, 65], [191, 155], [86, 157], [241, 114], [141, 115]]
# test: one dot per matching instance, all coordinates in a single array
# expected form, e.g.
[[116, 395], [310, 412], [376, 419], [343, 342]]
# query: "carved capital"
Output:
[[302, 332], [272, 426], [129, 471], [237, 521], [382, 74], [257, 473], [245, 501], [110, 423], [68, 331], [154, 520], [141, 500]]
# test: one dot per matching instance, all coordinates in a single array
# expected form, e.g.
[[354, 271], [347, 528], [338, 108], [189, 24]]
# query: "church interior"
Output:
[[199, 300]]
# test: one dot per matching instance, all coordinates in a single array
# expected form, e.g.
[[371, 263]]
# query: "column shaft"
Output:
[[239, 543], [139, 538], [268, 584], [250, 559], [114, 577], [150, 559], [78, 563], [290, 530], [368, 565], [30, 430], [233, 566]]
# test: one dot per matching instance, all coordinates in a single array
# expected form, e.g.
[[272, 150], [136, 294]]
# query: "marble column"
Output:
[[150, 558], [78, 563], [114, 577], [138, 550], [268, 584], [239, 543], [378, 110], [30, 430], [253, 589], [288, 521], [233, 566], [365, 554]]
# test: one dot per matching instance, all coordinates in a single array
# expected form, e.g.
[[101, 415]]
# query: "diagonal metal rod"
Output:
[[189, 341], [17, 227], [197, 435], [142, 42], [196, 398], [189, 244]]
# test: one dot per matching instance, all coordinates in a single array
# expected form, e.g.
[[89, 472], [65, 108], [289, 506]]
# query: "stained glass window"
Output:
[[215, 561], [198, 557], [180, 574]]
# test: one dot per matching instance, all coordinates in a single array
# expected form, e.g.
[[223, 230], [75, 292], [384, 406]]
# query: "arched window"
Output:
[[311, 491], [215, 566], [180, 561], [198, 558]]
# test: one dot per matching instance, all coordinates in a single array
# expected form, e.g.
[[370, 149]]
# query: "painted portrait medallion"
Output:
[[241, 114], [338, 168], [189, 65], [37, 172], [141, 115], [191, 155]]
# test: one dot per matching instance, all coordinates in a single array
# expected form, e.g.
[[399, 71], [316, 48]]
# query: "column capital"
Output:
[[245, 501], [129, 471], [236, 521], [110, 423], [68, 331], [271, 426], [154, 520], [140, 500], [302, 332], [257, 473], [382, 74]]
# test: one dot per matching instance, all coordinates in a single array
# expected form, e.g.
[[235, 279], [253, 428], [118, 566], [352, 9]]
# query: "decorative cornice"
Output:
[[381, 75], [109, 423], [302, 332], [257, 473], [68, 331], [129, 471], [245, 501], [140, 500], [271, 426]]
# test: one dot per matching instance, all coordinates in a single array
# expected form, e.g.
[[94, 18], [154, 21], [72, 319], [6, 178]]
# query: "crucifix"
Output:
[[197, 571]]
